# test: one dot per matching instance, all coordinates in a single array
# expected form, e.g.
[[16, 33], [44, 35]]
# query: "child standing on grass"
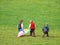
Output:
[[45, 30], [20, 25], [20, 29], [32, 28]]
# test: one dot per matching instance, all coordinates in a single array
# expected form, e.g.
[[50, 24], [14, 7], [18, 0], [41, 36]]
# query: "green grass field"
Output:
[[41, 11]]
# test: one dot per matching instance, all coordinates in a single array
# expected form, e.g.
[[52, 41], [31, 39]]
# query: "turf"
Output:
[[41, 11]]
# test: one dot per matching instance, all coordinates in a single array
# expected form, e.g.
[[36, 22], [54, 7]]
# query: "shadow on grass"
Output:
[[42, 37], [32, 36], [26, 35], [54, 36]]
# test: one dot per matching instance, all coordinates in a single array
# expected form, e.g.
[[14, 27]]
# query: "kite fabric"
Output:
[[22, 33], [26, 31]]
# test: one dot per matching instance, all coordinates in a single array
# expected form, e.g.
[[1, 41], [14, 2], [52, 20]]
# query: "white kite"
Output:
[[22, 33]]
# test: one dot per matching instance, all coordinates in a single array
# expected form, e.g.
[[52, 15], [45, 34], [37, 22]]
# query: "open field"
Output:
[[41, 11]]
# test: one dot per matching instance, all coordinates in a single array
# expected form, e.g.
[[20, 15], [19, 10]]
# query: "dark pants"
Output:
[[20, 29], [32, 32], [46, 33]]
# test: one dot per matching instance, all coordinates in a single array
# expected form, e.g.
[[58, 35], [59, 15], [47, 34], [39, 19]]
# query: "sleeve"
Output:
[[29, 26], [22, 25], [35, 25], [48, 28]]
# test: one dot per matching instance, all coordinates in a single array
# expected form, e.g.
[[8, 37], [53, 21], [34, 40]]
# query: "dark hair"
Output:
[[21, 20]]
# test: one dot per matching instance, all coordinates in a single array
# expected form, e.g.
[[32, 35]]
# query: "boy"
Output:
[[32, 28], [45, 30]]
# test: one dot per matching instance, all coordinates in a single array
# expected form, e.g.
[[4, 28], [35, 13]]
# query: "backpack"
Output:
[[45, 29], [32, 26]]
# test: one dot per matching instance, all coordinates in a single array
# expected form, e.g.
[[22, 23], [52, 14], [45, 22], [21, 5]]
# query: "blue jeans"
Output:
[[20, 29]]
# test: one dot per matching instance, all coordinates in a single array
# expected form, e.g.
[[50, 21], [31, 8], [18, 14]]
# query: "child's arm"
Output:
[[48, 28], [29, 26], [22, 25]]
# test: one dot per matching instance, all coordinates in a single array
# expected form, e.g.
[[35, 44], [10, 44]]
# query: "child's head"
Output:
[[31, 21], [46, 24], [21, 20]]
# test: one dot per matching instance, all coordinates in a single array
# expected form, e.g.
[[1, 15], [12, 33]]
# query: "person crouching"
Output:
[[45, 30]]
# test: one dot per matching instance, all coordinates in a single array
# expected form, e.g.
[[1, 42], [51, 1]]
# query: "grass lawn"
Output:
[[41, 11]]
